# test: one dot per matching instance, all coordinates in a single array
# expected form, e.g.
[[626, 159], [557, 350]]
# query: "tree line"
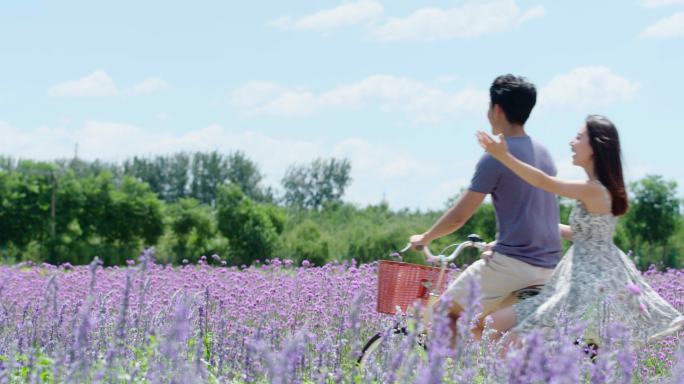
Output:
[[194, 204]]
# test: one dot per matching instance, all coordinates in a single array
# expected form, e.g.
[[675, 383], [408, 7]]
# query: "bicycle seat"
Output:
[[529, 291]]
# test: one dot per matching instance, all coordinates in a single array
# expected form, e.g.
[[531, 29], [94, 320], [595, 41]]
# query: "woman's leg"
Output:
[[501, 322]]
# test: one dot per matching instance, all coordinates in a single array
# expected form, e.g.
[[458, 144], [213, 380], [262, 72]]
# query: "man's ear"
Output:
[[498, 112]]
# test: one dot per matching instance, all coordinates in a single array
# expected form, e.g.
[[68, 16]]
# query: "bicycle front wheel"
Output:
[[382, 343], [370, 348]]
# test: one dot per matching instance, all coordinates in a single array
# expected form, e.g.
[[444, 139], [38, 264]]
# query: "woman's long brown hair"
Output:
[[605, 142]]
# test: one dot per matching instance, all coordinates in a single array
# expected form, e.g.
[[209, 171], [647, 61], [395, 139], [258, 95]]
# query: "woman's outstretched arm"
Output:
[[580, 190]]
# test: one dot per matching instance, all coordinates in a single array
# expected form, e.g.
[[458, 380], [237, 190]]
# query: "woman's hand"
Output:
[[498, 149]]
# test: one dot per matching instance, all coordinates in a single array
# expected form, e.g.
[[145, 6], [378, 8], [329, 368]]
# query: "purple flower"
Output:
[[277, 324]]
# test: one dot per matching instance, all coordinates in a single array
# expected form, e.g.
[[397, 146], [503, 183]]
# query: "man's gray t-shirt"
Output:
[[526, 217]]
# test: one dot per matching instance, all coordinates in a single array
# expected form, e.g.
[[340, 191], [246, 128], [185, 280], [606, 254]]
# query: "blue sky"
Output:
[[397, 87]]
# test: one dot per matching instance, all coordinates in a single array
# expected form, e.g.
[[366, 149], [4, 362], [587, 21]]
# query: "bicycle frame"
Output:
[[474, 241]]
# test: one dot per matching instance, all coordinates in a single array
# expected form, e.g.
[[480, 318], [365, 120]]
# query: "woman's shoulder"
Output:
[[598, 199]]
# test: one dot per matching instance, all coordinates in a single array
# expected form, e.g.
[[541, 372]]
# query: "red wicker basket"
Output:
[[401, 284]]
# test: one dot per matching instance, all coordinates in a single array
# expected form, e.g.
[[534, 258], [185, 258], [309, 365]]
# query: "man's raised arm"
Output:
[[451, 220]]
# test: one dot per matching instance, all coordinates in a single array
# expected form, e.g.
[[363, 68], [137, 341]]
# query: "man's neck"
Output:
[[513, 130]]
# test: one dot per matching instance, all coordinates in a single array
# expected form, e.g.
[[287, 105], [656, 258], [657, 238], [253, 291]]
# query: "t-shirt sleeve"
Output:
[[554, 170], [487, 173], [547, 164]]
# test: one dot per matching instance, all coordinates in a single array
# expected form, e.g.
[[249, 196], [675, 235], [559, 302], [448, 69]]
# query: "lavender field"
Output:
[[272, 323]]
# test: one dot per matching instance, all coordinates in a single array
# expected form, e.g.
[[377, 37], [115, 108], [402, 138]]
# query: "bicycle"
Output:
[[401, 284]]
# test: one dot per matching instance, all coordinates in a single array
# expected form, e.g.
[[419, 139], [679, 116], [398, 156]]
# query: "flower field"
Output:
[[273, 323]]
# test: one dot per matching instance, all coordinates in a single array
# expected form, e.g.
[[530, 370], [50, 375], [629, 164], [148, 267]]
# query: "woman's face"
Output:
[[581, 149]]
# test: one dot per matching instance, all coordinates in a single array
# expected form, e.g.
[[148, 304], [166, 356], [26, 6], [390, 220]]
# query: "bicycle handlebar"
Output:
[[474, 241]]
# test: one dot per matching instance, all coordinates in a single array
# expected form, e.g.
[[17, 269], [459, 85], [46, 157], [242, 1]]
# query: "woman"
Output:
[[594, 281]]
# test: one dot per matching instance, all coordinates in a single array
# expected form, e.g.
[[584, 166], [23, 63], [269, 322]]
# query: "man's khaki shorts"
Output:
[[498, 278]]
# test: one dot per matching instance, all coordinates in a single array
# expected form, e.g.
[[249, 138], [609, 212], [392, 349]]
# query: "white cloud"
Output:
[[472, 19], [424, 102], [379, 170], [446, 79], [381, 162], [672, 26], [660, 3], [427, 102], [533, 13], [116, 141], [150, 85], [100, 84], [585, 87], [97, 84], [376, 168], [362, 11], [266, 98]]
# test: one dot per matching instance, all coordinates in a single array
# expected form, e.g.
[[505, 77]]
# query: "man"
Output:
[[527, 246]]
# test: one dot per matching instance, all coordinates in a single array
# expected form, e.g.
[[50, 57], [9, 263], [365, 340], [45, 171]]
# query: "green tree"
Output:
[[67, 206], [124, 217], [316, 184], [167, 176], [368, 241], [653, 218], [251, 228], [307, 242], [148, 170], [244, 173], [25, 204], [177, 177], [6, 163], [209, 170], [82, 168], [38, 205], [137, 212], [192, 228]]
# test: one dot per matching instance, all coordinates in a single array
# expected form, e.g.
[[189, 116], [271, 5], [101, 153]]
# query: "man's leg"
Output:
[[497, 278], [491, 291], [521, 275]]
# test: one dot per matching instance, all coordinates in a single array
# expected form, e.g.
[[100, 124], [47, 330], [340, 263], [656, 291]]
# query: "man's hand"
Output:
[[488, 252], [419, 241]]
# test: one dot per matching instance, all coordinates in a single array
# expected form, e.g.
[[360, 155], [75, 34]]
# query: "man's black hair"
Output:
[[515, 95]]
